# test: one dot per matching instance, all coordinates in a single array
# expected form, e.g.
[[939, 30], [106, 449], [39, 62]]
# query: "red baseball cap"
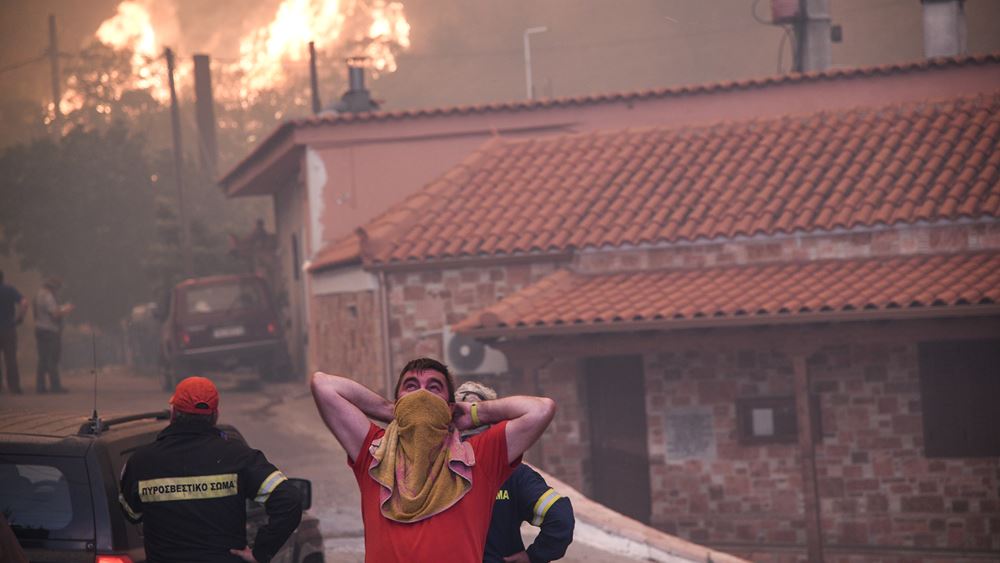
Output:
[[196, 395]]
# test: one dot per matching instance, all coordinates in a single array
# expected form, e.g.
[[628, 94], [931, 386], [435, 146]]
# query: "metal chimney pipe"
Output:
[[355, 78], [944, 28], [813, 35], [357, 98]]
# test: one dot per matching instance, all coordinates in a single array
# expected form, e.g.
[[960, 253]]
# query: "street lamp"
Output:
[[527, 58]]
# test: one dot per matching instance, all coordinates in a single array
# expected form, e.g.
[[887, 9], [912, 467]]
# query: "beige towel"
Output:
[[422, 464]]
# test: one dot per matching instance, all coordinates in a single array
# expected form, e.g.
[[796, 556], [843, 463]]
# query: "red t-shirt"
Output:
[[456, 535]]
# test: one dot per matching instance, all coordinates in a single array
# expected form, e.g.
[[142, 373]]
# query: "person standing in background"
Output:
[[13, 305], [49, 316], [524, 497]]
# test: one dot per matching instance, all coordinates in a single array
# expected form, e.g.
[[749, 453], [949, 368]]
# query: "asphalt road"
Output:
[[280, 419]]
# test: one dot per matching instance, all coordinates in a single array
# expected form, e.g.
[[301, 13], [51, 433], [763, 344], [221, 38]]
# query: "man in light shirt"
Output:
[[49, 316]]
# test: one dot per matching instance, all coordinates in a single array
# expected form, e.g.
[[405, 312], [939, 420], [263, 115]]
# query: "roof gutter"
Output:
[[484, 261], [959, 311]]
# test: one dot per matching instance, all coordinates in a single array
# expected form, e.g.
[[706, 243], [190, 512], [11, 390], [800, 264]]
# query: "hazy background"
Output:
[[459, 52], [469, 51]]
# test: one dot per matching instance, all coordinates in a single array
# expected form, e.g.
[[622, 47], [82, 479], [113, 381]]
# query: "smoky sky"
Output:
[[470, 51]]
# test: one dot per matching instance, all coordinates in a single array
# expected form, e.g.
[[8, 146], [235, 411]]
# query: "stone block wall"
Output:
[[876, 486], [422, 303], [730, 492], [803, 247], [565, 446]]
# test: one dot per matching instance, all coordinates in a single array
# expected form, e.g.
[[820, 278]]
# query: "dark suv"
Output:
[[222, 323], [59, 489]]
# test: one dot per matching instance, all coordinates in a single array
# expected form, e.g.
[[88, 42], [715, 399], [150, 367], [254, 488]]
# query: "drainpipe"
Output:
[[383, 298], [807, 456]]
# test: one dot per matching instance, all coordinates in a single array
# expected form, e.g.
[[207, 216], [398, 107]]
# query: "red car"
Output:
[[221, 323]]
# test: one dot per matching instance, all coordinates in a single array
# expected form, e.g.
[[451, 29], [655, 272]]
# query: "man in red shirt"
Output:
[[426, 496]]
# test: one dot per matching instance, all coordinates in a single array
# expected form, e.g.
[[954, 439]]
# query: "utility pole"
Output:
[[175, 122], [56, 78], [812, 34], [313, 78], [204, 107], [527, 58]]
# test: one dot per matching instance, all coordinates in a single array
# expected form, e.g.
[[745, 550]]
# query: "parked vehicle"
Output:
[[59, 489], [222, 323]]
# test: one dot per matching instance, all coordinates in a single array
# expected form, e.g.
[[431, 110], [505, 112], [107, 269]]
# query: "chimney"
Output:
[[944, 28], [205, 114], [357, 98], [813, 36]]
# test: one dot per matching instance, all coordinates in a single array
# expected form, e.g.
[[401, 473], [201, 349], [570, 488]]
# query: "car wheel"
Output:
[[276, 368]]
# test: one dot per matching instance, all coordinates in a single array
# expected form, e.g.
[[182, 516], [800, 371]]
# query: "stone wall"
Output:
[[876, 486], [423, 302], [876, 242]]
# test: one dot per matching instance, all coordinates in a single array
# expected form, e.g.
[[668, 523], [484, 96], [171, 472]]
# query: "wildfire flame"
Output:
[[268, 54]]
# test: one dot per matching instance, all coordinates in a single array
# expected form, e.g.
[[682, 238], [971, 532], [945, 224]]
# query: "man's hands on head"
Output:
[[528, 417], [345, 406], [462, 416]]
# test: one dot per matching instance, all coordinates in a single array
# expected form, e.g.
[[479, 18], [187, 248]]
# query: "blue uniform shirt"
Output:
[[526, 497]]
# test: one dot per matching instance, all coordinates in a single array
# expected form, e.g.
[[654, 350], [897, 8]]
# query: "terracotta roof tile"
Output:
[[666, 185], [764, 292], [282, 132]]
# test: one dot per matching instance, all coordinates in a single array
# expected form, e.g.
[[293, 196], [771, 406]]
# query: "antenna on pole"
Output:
[[95, 421]]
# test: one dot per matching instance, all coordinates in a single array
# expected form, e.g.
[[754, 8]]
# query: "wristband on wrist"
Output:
[[474, 411]]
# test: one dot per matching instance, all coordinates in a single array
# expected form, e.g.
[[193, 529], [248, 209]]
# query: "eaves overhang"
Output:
[[618, 326]]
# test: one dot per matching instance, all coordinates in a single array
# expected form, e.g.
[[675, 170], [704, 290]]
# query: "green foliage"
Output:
[[210, 217], [99, 208], [82, 210]]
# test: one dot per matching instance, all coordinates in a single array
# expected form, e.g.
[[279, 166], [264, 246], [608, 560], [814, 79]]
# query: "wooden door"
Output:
[[619, 461]]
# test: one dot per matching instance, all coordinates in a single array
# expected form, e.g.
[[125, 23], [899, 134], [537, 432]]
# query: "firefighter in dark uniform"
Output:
[[189, 488], [524, 497]]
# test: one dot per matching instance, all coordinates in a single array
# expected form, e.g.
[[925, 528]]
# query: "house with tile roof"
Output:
[[777, 336], [329, 174]]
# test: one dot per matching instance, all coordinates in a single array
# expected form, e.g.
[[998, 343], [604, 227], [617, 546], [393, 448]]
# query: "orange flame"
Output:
[[268, 54]]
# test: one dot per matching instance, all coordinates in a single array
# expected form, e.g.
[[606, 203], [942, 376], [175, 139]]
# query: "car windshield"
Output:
[[222, 297], [46, 497]]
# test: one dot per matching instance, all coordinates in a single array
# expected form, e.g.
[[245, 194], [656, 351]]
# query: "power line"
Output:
[[21, 64]]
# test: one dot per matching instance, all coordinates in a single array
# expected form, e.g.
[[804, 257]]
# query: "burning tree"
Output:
[[116, 87]]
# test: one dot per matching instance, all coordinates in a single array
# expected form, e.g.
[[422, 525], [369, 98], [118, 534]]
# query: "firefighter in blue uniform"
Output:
[[189, 488], [524, 497]]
